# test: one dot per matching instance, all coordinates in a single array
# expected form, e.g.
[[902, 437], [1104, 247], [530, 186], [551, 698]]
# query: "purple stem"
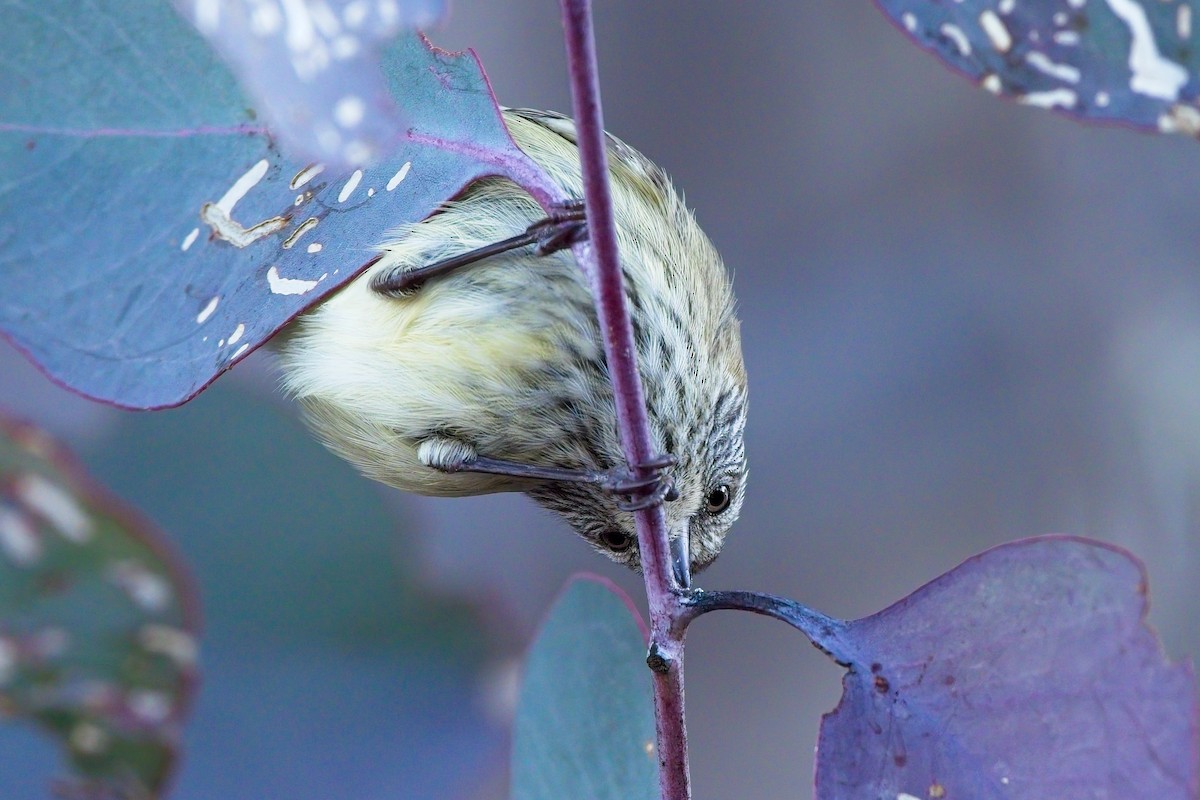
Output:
[[826, 633], [599, 259]]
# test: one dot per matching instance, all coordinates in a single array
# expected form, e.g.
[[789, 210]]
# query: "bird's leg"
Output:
[[558, 231], [642, 492]]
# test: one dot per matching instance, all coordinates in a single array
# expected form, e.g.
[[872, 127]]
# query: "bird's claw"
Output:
[[637, 488], [645, 491], [561, 229]]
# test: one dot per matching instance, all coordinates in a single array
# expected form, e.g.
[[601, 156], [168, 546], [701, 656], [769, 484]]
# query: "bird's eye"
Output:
[[616, 541], [718, 499]]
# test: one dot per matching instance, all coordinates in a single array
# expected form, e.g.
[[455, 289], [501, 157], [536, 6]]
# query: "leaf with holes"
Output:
[[153, 233], [1028, 671], [585, 720], [312, 68], [97, 622], [1127, 61]]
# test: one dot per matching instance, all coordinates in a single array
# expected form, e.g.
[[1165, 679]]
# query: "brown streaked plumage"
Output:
[[503, 358]]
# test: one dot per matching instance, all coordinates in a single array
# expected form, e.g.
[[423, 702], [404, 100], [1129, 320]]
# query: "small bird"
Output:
[[467, 358]]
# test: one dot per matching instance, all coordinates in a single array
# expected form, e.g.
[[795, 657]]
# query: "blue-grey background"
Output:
[[965, 322]]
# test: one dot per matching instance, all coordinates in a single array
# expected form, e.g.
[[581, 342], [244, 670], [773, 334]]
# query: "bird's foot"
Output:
[[643, 491], [564, 227]]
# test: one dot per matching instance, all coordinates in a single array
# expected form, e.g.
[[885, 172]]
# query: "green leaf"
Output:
[[585, 722], [97, 621]]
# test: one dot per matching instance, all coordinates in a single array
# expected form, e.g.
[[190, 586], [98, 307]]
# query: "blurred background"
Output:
[[965, 322]]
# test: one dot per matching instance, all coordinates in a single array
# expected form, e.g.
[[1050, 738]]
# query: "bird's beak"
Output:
[[681, 560]]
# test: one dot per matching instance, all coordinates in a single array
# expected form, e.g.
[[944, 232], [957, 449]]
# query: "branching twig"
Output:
[[671, 610], [825, 633], [599, 257]]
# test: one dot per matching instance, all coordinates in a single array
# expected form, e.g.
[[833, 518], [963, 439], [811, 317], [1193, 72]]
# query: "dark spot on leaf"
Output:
[[876, 667], [948, 680], [32, 143], [900, 759], [881, 684]]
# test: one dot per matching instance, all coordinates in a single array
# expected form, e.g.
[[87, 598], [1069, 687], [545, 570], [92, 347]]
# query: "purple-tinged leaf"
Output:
[[312, 68], [151, 233], [1026, 672], [1128, 61], [97, 622]]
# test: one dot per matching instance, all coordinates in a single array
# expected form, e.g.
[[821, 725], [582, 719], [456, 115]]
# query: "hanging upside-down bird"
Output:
[[467, 358]]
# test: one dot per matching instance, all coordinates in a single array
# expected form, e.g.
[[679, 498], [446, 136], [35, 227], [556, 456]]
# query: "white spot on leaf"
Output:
[[300, 33], [56, 505], [349, 111], [265, 20], [305, 175], [242, 186], [996, 31], [400, 175], [1055, 98], [281, 285], [231, 231], [324, 18], [351, 185], [88, 738], [1153, 75], [301, 229], [1181, 119], [345, 46], [179, 646], [1042, 63], [147, 590], [189, 240], [957, 37], [237, 332], [355, 13], [208, 310], [219, 215], [19, 537], [207, 14], [150, 706]]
